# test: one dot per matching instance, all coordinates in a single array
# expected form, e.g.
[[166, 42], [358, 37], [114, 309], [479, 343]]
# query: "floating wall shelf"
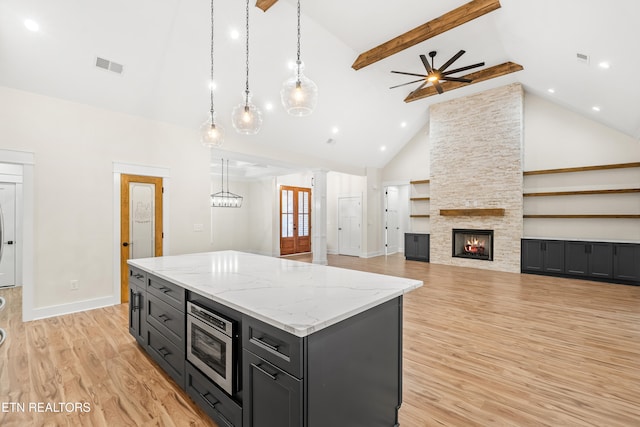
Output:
[[586, 216], [472, 212], [583, 192], [583, 169]]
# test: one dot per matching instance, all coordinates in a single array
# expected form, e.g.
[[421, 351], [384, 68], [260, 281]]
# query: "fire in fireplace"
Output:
[[474, 244]]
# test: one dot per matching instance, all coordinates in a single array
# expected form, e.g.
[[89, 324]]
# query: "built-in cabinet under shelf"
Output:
[[583, 192]]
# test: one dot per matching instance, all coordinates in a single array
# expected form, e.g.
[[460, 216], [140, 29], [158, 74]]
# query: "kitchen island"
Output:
[[314, 345]]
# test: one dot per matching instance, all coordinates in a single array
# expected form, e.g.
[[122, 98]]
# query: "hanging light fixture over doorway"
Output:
[[299, 94], [211, 134], [246, 117], [225, 199]]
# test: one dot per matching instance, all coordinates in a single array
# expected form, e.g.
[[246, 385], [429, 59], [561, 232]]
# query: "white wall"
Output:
[[412, 162]]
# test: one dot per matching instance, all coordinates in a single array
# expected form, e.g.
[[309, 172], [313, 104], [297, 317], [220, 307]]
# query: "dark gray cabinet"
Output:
[[217, 404], [589, 259], [604, 261], [416, 247], [626, 261], [272, 397], [544, 256], [137, 298], [349, 374]]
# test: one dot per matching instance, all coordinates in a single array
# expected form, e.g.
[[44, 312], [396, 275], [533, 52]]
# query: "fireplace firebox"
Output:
[[474, 244]]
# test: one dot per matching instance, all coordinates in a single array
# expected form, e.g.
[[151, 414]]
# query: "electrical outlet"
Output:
[[74, 285]]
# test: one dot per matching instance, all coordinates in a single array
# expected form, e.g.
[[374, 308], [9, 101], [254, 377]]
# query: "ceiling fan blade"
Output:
[[438, 87], [409, 74], [456, 79], [468, 67], [451, 61], [404, 84], [425, 61], [419, 87]]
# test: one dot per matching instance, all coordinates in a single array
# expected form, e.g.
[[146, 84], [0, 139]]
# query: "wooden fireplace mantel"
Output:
[[472, 212]]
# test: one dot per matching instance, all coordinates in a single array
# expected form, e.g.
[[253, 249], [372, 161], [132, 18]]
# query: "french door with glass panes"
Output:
[[295, 220]]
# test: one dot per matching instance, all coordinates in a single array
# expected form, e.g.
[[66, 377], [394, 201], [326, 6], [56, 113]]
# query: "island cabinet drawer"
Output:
[[168, 292], [166, 319], [274, 345], [224, 410], [137, 277], [166, 354]]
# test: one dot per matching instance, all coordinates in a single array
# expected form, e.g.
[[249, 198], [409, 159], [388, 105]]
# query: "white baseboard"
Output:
[[74, 307]]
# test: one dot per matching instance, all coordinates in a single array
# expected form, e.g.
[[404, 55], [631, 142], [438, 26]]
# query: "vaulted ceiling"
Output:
[[164, 48]]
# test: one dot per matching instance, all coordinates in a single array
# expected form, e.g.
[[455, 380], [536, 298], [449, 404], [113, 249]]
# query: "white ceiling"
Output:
[[164, 47]]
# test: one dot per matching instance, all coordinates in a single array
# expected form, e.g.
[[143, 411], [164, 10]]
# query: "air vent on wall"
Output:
[[583, 58], [105, 64]]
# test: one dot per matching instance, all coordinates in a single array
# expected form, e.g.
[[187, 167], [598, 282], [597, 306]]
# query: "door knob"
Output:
[[125, 244]]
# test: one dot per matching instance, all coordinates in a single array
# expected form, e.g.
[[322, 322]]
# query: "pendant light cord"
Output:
[[211, 81], [298, 61], [247, 59]]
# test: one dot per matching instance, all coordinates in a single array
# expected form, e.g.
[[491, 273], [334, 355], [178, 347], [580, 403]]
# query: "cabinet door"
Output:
[[601, 259], [410, 247], [532, 255], [271, 397], [626, 261], [553, 256], [137, 320], [577, 258], [423, 246]]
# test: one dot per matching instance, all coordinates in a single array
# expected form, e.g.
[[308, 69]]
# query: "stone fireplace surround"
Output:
[[476, 165]]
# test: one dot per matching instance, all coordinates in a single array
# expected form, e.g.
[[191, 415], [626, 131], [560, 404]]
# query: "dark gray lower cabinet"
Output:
[[272, 398], [220, 407], [589, 259], [416, 247], [605, 261], [137, 320], [349, 374], [545, 256], [626, 261]]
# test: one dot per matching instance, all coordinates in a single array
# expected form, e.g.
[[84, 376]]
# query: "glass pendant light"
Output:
[[211, 134], [299, 94], [246, 117]]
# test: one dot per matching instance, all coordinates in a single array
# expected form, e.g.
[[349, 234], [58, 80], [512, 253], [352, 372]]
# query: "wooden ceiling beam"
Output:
[[465, 13], [477, 77], [265, 4]]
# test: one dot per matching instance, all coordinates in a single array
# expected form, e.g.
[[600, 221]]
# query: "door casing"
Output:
[[125, 180]]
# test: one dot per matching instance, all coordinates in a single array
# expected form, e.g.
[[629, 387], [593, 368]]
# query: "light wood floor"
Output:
[[480, 349]]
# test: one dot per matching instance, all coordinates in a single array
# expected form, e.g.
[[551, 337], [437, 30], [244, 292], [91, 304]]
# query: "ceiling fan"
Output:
[[435, 76]]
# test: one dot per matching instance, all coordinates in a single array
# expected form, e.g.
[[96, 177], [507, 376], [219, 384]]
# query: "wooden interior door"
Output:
[[295, 220], [140, 223]]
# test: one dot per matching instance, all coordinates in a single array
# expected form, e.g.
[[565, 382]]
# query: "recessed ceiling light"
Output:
[[291, 64], [595, 108], [604, 65], [403, 124], [234, 34], [31, 25], [213, 85], [551, 90], [383, 148], [335, 130], [268, 106]]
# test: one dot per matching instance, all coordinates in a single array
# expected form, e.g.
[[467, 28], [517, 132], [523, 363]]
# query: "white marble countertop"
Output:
[[297, 297]]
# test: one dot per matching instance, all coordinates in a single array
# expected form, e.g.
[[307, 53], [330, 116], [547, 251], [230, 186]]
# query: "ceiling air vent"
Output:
[[105, 64], [582, 58]]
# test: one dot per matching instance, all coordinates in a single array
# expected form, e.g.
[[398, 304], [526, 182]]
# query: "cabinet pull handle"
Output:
[[164, 352], [138, 276], [164, 317], [136, 301], [273, 347], [261, 369], [164, 289], [213, 406]]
